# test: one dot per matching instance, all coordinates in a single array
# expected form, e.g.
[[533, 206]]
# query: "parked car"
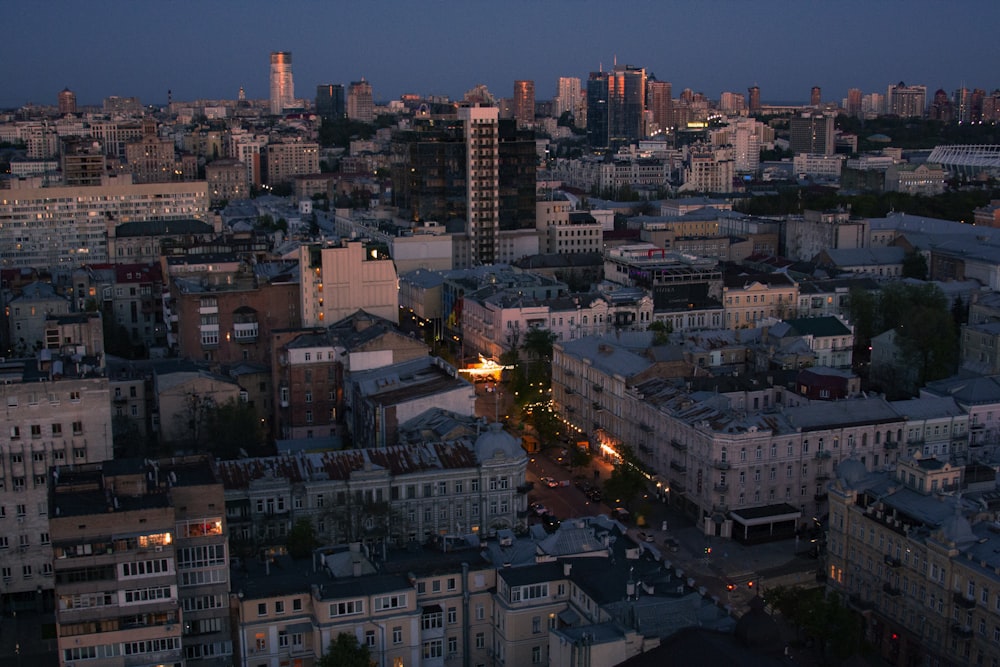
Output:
[[644, 537], [538, 509], [671, 544], [549, 482]]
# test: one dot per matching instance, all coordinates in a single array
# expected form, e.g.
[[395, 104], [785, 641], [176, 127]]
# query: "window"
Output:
[[370, 638], [279, 607], [536, 624], [297, 604], [452, 615], [433, 649], [348, 608], [77, 428], [384, 602], [452, 645], [262, 609], [36, 430], [397, 634], [536, 655], [480, 640]]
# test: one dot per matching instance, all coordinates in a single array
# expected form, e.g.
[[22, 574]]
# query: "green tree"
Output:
[[230, 427], [538, 355], [626, 481], [661, 332], [301, 539], [862, 308], [821, 618], [579, 457], [915, 266], [346, 651]]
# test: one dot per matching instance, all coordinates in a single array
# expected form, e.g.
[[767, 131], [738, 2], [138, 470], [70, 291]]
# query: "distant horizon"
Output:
[[208, 51]]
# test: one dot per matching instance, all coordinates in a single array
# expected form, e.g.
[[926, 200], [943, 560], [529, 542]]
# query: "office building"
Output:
[[906, 101], [83, 163], [67, 102], [330, 101], [282, 87], [524, 102], [360, 104], [660, 104], [616, 102], [141, 563], [597, 110]]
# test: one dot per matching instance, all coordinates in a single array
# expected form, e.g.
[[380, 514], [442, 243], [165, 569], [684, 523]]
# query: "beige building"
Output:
[[141, 563], [66, 226], [914, 550], [227, 180], [749, 300], [360, 105], [816, 231], [289, 159], [336, 281], [565, 231], [62, 422], [182, 394]]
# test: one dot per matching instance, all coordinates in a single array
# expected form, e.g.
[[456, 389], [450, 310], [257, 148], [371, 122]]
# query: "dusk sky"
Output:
[[209, 49]]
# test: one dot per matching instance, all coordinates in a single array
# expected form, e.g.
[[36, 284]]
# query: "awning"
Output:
[[431, 609], [569, 617], [296, 628], [759, 516]]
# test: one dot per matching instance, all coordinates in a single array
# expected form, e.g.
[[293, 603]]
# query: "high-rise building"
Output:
[[812, 133], [597, 109], [941, 108], [976, 105], [282, 88], [906, 101], [732, 103], [330, 101], [67, 102], [524, 102], [360, 103], [482, 181], [815, 96], [616, 102], [754, 99], [962, 99], [660, 103], [854, 102], [568, 96]]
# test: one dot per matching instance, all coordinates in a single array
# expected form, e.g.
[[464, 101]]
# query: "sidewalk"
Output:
[[28, 638]]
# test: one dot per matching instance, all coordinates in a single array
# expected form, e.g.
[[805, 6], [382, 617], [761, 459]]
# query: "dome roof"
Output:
[[851, 471], [497, 443]]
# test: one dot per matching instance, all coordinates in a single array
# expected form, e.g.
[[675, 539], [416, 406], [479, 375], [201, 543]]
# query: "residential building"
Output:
[[708, 169], [74, 229], [227, 181], [26, 313], [480, 125], [288, 159], [336, 281], [67, 102], [752, 299], [812, 133], [815, 231], [906, 101], [58, 415], [565, 231], [524, 103], [926, 180], [183, 392], [569, 97], [141, 562], [913, 549], [359, 101], [830, 339]]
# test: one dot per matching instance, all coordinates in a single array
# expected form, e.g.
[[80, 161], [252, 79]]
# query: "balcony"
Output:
[[891, 590], [245, 332], [720, 464], [892, 562], [721, 487], [678, 445], [823, 454], [678, 466], [962, 631], [890, 444], [596, 406], [822, 476], [677, 487], [963, 602], [569, 391], [820, 497], [598, 388], [645, 428]]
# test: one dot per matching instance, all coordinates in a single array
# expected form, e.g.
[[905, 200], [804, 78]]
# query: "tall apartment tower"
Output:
[[282, 88], [811, 133], [360, 104], [67, 102], [524, 102], [815, 96], [330, 101], [568, 97], [906, 101], [660, 103], [753, 100], [482, 163], [854, 102]]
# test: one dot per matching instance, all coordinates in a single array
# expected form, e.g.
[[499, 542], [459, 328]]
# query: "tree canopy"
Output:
[[345, 651]]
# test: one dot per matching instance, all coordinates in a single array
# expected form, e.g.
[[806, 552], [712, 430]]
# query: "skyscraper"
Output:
[[811, 133], [282, 88], [568, 98], [815, 96], [854, 102], [660, 103], [360, 105], [67, 102], [482, 178], [597, 109], [616, 101], [524, 102], [906, 101], [330, 101], [754, 100]]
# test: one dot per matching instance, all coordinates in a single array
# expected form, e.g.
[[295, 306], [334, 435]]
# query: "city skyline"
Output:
[[418, 48]]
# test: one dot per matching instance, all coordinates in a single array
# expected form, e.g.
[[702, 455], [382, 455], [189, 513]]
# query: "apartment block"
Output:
[[141, 563], [288, 159], [338, 280], [57, 415]]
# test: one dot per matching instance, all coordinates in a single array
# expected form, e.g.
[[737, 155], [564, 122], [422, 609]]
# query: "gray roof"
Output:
[[842, 257], [162, 228], [606, 354], [928, 407], [848, 412]]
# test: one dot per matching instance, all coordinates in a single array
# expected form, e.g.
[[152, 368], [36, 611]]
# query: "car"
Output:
[[549, 482], [671, 544], [645, 537], [538, 509], [550, 523]]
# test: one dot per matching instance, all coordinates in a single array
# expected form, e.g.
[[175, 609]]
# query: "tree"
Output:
[[538, 352], [230, 427], [661, 332], [915, 266], [301, 539], [626, 481], [820, 617], [346, 651], [579, 457]]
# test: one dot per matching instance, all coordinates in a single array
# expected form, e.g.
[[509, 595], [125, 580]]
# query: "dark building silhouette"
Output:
[[330, 101]]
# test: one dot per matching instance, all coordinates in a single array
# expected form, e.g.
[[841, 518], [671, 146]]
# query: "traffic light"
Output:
[[750, 584], [708, 551], [730, 587]]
